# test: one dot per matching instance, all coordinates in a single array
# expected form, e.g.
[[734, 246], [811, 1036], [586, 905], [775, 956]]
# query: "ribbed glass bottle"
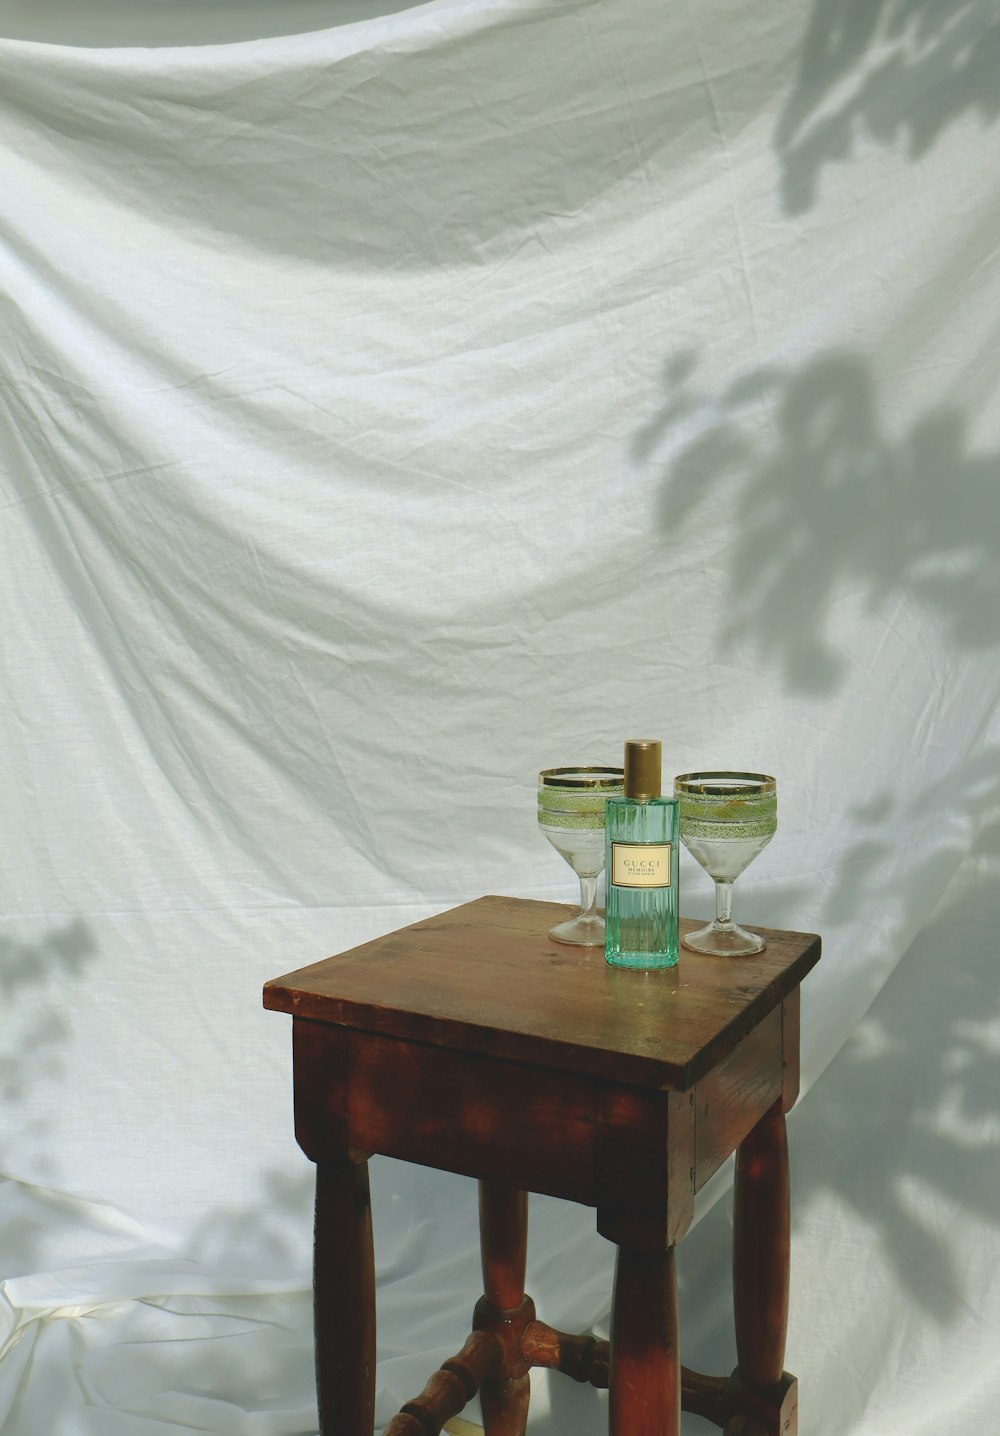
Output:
[[642, 874]]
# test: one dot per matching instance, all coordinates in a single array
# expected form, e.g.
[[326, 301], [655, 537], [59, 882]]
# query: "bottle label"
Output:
[[641, 865]]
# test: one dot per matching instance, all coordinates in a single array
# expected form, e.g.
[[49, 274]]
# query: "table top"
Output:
[[486, 978]]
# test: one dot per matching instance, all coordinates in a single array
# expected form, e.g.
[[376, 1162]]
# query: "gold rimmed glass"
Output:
[[726, 819], [571, 815]]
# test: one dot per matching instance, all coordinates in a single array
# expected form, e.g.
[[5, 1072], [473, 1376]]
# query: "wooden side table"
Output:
[[471, 1043]]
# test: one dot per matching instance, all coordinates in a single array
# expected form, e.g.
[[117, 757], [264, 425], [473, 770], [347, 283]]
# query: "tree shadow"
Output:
[[928, 1051], [905, 1126], [824, 508], [887, 71], [823, 504], [912, 1108], [36, 1029], [271, 1237], [415, 1251]]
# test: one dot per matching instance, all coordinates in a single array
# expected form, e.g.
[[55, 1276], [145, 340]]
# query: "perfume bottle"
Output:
[[642, 865]]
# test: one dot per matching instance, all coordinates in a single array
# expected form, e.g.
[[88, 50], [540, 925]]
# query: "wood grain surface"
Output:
[[484, 977]]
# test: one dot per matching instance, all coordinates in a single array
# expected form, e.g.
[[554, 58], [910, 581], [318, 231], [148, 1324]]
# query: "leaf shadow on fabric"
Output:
[[266, 1237], [888, 72], [415, 1251], [909, 1114], [33, 982], [34, 977], [816, 503], [908, 1118], [818, 506], [919, 1083]]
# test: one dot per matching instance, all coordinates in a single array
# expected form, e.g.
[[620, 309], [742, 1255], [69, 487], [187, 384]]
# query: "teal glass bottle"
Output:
[[641, 832]]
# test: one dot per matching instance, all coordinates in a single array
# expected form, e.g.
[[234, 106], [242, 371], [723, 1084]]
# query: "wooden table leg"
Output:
[[761, 1250], [503, 1236], [645, 1373], [344, 1299]]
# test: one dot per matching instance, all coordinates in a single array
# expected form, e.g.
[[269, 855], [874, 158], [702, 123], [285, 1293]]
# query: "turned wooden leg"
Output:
[[448, 1390], [503, 1237], [761, 1249], [645, 1373], [344, 1299]]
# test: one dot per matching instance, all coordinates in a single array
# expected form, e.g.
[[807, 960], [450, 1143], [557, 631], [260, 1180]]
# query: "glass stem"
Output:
[[588, 896], [723, 903]]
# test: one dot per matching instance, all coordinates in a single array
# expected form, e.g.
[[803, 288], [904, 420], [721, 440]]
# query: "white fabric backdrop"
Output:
[[387, 412]]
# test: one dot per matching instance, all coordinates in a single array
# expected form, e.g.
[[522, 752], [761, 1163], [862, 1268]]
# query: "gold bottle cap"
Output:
[[643, 762]]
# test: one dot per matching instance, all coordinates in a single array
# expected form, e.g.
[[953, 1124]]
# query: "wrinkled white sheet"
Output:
[[392, 410]]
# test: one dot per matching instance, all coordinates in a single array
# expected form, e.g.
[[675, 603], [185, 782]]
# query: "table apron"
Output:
[[636, 1154]]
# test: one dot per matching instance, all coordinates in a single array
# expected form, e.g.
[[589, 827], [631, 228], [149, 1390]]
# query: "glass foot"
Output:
[[719, 939], [584, 930]]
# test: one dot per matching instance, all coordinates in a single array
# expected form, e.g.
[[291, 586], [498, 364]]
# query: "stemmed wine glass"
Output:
[[726, 819], [571, 815]]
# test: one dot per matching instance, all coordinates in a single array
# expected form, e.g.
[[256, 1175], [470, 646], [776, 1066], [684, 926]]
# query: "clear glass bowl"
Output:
[[726, 819], [571, 815]]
